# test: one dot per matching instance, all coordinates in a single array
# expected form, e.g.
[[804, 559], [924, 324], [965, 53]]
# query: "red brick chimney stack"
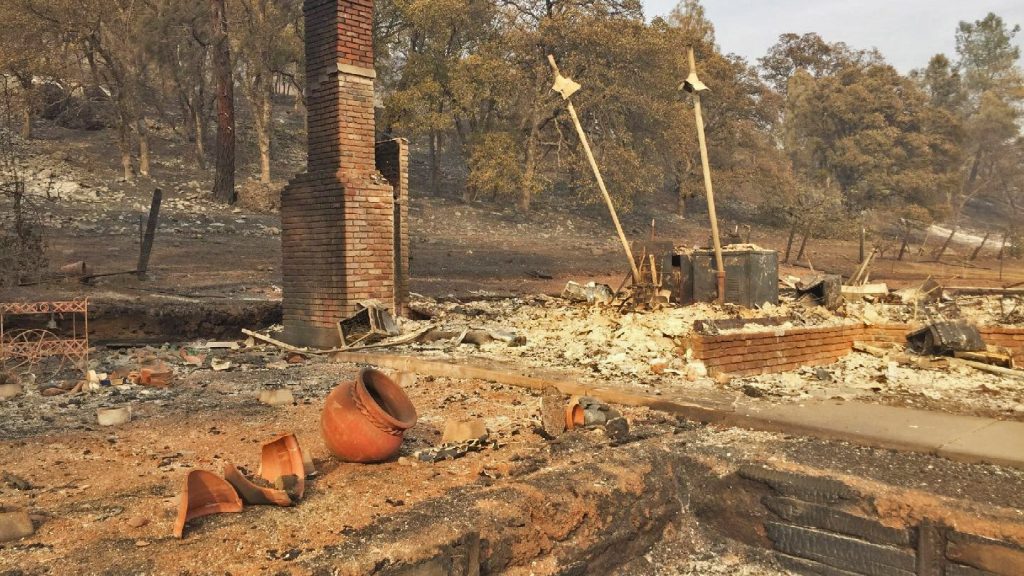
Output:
[[339, 233]]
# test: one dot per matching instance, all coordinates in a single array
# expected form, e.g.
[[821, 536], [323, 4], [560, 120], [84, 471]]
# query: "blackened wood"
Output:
[[825, 518], [147, 240]]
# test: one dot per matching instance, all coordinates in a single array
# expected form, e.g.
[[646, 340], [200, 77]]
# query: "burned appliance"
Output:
[[751, 276]]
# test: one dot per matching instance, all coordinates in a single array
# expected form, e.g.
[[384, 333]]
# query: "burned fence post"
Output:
[[945, 245], [977, 251], [789, 243], [803, 245], [147, 240], [863, 241]]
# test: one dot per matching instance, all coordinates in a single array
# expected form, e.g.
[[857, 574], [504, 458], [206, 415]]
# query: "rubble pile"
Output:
[[864, 377], [649, 349], [910, 307], [643, 348]]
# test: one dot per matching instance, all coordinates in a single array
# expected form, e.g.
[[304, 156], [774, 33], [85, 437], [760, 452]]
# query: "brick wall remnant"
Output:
[[393, 163], [338, 218], [774, 351]]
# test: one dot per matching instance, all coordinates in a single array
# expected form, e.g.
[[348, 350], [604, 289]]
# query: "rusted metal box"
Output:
[[751, 277]]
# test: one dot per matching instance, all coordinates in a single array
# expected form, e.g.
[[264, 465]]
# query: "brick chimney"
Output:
[[339, 233]]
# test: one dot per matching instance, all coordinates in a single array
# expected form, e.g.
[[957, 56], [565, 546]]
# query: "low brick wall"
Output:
[[773, 351], [887, 333], [1006, 337], [752, 353], [1010, 338]]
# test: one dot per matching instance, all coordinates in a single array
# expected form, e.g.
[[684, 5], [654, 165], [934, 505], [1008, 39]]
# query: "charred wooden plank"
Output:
[[825, 518], [931, 550], [807, 488], [809, 567], [996, 557], [958, 570], [841, 552]]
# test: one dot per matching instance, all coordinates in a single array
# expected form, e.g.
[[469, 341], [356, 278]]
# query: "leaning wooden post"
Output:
[[977, 251], [803, 245], [905, 242], [567, 88], [694, 86], [147, 240], [945, 245], [789, 243]]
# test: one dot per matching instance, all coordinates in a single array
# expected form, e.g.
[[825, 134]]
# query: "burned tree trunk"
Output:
[[124, 144], [435, 163], [263, 133], [143, 134], [224, 180], [530, 170]]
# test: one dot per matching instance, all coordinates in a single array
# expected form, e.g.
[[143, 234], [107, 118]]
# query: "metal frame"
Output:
[[34, 345]]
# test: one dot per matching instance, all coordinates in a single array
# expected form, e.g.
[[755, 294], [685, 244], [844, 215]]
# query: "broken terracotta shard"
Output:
[[204, 494], [192, 359], [364, 421], [252, 493], [281, 457], [574, 415], [157, 375]]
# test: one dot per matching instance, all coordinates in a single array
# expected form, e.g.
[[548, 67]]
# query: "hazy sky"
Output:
[[907, 32]]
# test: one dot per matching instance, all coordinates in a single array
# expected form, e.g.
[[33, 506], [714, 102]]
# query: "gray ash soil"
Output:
[[996, 485]]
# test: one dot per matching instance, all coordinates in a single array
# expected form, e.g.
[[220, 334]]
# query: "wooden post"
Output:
[[903, 245], [945, 245], [863, 234], [597, 172], [705, 165], [927, 236], [803, 244], [859, 277], [789, 244], [147, 241], [977, 250]]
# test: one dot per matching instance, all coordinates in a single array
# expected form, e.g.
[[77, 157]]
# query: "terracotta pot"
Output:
[[204, 493], [364, 421]]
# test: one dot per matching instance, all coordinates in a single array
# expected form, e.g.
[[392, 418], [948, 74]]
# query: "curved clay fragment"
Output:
[[282, 457], [575, 416], [204, 493], [251, 493]]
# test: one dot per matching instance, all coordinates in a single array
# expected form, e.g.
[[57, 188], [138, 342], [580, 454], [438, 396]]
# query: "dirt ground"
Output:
[[104, 499], [89, 484]]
